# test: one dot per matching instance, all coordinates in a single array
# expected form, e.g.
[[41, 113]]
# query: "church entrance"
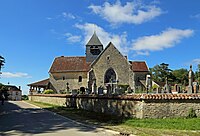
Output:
[[110, 80]]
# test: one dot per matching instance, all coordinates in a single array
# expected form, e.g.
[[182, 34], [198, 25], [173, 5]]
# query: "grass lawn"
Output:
[[143, 127]]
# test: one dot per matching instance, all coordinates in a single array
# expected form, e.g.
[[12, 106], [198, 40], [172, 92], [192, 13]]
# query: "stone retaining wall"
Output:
[[138, 105]]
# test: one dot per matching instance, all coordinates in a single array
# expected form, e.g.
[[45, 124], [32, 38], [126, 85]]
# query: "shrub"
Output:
[[24, 97], [123, 87], [49, 91], [192, 113]]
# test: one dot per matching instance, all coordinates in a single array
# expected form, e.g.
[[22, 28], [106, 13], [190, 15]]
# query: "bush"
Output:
[[49, 91], [24, 97], [192, 113], [123, 87]]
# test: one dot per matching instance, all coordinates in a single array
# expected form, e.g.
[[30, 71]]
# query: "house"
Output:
[[106, 68], [14, 93]]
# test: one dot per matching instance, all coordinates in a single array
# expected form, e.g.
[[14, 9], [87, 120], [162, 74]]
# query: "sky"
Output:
[[34, 32]]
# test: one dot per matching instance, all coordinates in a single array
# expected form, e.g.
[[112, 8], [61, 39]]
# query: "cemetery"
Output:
[[105, 81]]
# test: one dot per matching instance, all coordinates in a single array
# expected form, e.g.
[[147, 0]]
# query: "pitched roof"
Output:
[[13, 88], [69, 64], [94, 40], [40, 83], [139, 66]]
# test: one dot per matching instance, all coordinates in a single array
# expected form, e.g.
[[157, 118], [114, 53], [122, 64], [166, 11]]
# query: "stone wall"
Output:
[[138, 105], [54, 99], [112, 58], [59, 80]]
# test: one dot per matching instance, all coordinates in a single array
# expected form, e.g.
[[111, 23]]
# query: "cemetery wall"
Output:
[[137, 105]]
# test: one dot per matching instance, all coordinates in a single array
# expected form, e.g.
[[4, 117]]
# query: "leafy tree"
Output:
[[2, 61], [4, 90], [181, 76], [197, 73], [160, 72]]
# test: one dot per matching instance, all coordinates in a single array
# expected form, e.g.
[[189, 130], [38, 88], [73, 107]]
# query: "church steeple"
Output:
[[93, 48], [94, 40]]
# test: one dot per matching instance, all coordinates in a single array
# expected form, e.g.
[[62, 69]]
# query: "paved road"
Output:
[[23, 119]]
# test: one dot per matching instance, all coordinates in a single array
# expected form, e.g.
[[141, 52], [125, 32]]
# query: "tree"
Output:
[[197, 73], [2, 62], [4, 90], [160, 72], [181, 76]]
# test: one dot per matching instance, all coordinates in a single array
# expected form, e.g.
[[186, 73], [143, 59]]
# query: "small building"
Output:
[[39, 86], [15, 93]]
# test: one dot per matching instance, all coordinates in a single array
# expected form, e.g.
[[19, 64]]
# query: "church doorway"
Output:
[[110, 80]]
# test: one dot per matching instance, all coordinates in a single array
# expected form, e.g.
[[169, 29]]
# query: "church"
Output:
[[99, 70]]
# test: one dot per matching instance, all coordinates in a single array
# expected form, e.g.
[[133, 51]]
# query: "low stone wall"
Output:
[[138, 105], [55, 99]]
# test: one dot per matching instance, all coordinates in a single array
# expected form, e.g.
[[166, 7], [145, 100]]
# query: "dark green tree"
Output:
[[197, 74], [4, 90], [181, 76], [160, 72]]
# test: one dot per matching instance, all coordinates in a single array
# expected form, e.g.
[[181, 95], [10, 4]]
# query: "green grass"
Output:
[[174, 123], [143, 127]]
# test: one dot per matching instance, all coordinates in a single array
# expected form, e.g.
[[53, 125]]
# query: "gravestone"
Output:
[[175, 90], [100, 90], [166, 87], [195, 87]]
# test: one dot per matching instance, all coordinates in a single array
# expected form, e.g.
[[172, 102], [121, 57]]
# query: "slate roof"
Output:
[[69, 64], [139, 66], [94, 40], [40, 83]]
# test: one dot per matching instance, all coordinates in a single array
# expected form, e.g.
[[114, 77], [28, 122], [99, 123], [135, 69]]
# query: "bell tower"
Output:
[[93, 48]]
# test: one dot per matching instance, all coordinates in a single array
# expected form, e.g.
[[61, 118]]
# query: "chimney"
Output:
[[19, 87]]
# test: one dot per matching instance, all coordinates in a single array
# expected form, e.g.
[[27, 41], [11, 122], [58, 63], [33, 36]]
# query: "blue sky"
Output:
[[34, 32]]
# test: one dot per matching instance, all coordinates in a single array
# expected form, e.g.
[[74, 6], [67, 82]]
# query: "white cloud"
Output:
[[120, 41], [68, 15], [165, 39], [143, 53], [63, 15], [196, 61], [132, 12], [15, 75], [73, 38]]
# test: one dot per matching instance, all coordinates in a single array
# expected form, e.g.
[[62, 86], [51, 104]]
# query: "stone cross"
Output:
[[148, 83], [191, 77]]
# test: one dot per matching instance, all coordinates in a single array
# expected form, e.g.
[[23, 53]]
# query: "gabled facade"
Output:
[[15, 94]]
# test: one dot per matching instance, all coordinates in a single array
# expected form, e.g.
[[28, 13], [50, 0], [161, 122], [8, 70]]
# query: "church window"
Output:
[[80, 79], [108, 57]]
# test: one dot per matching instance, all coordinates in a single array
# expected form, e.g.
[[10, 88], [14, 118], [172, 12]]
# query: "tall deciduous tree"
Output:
[[181, 76], [197, 74], [160, 72]]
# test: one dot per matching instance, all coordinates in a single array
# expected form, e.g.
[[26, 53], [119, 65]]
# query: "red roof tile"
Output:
[[69, 64], [40, 83], [139, 66]]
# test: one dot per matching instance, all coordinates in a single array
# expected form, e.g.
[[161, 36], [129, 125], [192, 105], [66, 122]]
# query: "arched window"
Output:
[[80, 79], [110, 76]]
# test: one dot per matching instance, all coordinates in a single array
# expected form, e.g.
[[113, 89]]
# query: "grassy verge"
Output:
[[143, 127]]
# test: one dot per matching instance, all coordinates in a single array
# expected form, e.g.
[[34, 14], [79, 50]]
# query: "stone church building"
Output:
[[101, 68]]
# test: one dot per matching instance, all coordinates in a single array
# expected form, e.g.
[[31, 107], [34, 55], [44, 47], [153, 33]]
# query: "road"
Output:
[[23, 119]]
